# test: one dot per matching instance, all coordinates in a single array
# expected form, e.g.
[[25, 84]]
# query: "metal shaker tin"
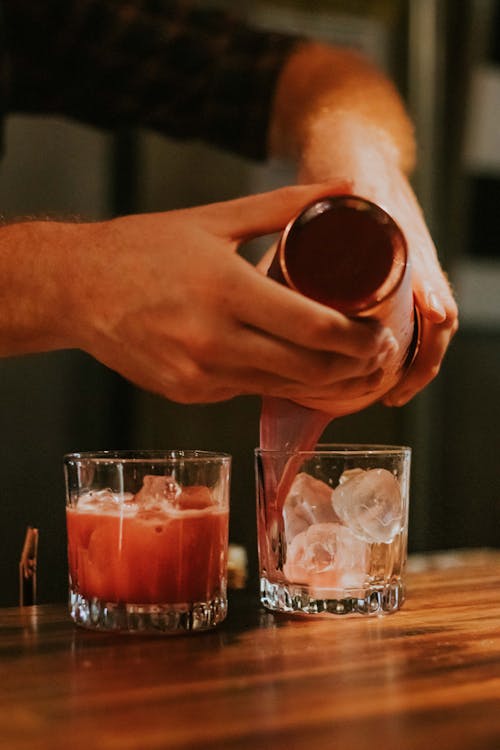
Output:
[[348, 253]]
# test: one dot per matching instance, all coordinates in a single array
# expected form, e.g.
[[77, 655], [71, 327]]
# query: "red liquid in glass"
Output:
[[150, 557]]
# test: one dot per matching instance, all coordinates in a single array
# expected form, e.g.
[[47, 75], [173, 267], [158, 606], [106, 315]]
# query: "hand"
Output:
[[364, 158], [166, 301], [433, 297]]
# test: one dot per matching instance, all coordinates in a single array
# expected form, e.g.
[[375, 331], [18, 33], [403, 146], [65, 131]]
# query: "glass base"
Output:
[[295, 599], [146, 619]]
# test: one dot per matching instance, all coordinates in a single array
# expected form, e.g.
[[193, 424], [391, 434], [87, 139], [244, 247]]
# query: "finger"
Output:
[[226, 383], [254, 382], [264, 213], [278, 311], [266, 260], [431, 288], [343, 392], [257, 382], [435, 341], [229, 370], [433, 294], [315, 368], [430, 285]]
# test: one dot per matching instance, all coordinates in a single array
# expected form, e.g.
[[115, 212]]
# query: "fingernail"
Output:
[[435, 304]]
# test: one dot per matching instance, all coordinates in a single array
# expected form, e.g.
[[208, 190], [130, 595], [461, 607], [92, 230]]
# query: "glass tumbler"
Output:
[[147, 539], [336, 540]]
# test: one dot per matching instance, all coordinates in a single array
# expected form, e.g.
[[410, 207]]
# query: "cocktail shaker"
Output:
[[348, 253]]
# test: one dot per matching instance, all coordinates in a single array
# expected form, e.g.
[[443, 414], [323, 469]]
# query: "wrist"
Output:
[[346, 146], [320, 88], [37, 287]]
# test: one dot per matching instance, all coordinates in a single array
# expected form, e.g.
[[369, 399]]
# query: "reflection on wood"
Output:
[[428, 676], [27, 568]]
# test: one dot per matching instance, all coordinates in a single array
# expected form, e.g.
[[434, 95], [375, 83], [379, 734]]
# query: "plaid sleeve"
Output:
[[182, 70]]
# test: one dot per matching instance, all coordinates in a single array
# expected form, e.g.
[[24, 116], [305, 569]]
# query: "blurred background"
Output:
[[445, 59]]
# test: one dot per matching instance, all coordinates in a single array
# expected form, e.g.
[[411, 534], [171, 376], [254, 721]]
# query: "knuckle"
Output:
[[320, 371], [319, 330], [203, 346], [191, 384], [183, 376], [288, 194], [183, 394], [330, 369], [371, 364], [319, 379], [434, 371]]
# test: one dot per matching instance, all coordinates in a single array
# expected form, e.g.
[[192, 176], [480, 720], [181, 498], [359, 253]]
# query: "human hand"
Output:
[[165, 300], [362, 158], [432, 293]]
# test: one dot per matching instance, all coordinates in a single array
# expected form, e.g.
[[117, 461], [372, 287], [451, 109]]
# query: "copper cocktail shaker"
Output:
[[348, 253]]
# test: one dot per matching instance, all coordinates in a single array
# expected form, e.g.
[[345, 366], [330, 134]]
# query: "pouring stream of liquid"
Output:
[[289, 427]]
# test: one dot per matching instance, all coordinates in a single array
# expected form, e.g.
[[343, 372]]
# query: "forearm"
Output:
[[34, 283], [326, 93], [343, 122]]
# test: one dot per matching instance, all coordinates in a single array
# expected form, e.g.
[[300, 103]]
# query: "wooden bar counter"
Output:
[[426, 677]]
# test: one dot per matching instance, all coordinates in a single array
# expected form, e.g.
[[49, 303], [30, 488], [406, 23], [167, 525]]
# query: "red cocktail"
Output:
[[156, 557]]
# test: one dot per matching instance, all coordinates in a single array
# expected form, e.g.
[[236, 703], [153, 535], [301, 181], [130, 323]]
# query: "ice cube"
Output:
[[158, 493], [295, 568], [97, 501], [327, 556], [349, 474], [194, 497], [162, 495], [370, 504], [309, 501]]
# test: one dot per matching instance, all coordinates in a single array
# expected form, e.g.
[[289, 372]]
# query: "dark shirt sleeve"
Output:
[[185, 71]]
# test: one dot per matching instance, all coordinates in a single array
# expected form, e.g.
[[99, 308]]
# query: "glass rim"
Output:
[[393, 280], [340, 449], [148, 456]]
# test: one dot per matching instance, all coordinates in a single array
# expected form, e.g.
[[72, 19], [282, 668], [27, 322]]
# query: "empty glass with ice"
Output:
[[147, 539], [332, 528]]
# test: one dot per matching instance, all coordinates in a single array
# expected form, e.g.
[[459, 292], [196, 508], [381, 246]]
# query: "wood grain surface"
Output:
[[426, 677]]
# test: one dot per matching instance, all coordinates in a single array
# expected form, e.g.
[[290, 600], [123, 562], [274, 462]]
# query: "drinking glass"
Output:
[[332, 528], [147, 539]]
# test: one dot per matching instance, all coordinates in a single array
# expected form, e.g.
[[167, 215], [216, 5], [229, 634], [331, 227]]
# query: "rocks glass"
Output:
[[333, 539], [147, 539]]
